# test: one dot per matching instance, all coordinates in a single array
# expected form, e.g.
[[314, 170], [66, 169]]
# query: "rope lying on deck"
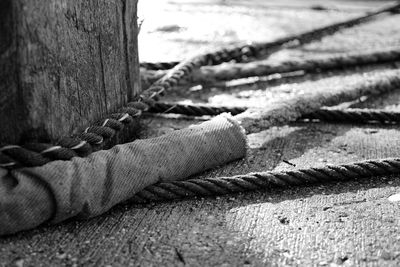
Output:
[[87, 187], [253, 120], [263, 180], [352, 115], [37, 154], [330, 92], [209, 75]]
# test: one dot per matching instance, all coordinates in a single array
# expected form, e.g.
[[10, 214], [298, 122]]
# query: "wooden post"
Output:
[[64, 64]]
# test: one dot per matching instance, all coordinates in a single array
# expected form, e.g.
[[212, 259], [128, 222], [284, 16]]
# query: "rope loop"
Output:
[[133, 112], [143, 106], [102, 131], [122, 117], [28, 157], [7, 162], [80, 146], [116, 125], [53, 152], [92, 138]]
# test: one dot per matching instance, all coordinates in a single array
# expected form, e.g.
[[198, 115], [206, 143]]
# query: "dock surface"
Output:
[[337, 224]]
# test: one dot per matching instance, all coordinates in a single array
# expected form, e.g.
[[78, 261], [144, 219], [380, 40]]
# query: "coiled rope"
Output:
[[37, 154], [266, 180], [350, 115]]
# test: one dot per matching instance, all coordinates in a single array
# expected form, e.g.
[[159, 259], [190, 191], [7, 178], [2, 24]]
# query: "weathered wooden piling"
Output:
[[64, 64]]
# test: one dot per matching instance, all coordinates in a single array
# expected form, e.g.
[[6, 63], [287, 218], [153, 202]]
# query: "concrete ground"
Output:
[[338, 224]]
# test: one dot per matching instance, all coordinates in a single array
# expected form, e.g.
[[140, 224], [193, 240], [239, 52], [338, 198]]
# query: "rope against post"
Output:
[[87, 187], [266, 180], [38, 154], [253, 120]]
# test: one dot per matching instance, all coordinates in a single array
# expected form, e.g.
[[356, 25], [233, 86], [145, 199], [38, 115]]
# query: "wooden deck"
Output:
[[341, 224]]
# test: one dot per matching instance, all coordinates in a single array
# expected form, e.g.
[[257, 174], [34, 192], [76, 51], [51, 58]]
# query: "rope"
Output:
[[354, 116], [29, 155], [331, 93], [351, 115], [209, 75], [193, 110], [92, 139], [266, 180]]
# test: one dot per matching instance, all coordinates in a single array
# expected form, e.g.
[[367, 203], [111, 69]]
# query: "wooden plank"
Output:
[[64, 64]]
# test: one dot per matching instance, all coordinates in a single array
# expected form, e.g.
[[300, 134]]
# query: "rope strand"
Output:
[[278, 112], [266, 180], [350, 115], [210, 75]]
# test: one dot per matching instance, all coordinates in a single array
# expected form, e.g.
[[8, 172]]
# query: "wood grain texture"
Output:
[[64, 64]]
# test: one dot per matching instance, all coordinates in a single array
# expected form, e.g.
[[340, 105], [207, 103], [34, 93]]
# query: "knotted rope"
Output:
[[266, 180], [351, 115], [29, 155]]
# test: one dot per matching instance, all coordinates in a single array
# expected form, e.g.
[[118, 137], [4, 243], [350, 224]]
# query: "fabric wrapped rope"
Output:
[[335, 91], [86, 187]]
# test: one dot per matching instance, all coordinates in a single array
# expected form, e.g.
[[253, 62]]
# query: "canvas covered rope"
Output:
[[342, 90], [117, 174], [86, 187], [92, 139]]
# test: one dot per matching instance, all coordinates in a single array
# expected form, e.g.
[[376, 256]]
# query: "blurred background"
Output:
[[176, 29]]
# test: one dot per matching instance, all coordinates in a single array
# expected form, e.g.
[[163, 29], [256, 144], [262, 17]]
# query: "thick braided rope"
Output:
[[352, 115], [266, 180], [28, 155], [92, 139], [209, 75], [251, 51]]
